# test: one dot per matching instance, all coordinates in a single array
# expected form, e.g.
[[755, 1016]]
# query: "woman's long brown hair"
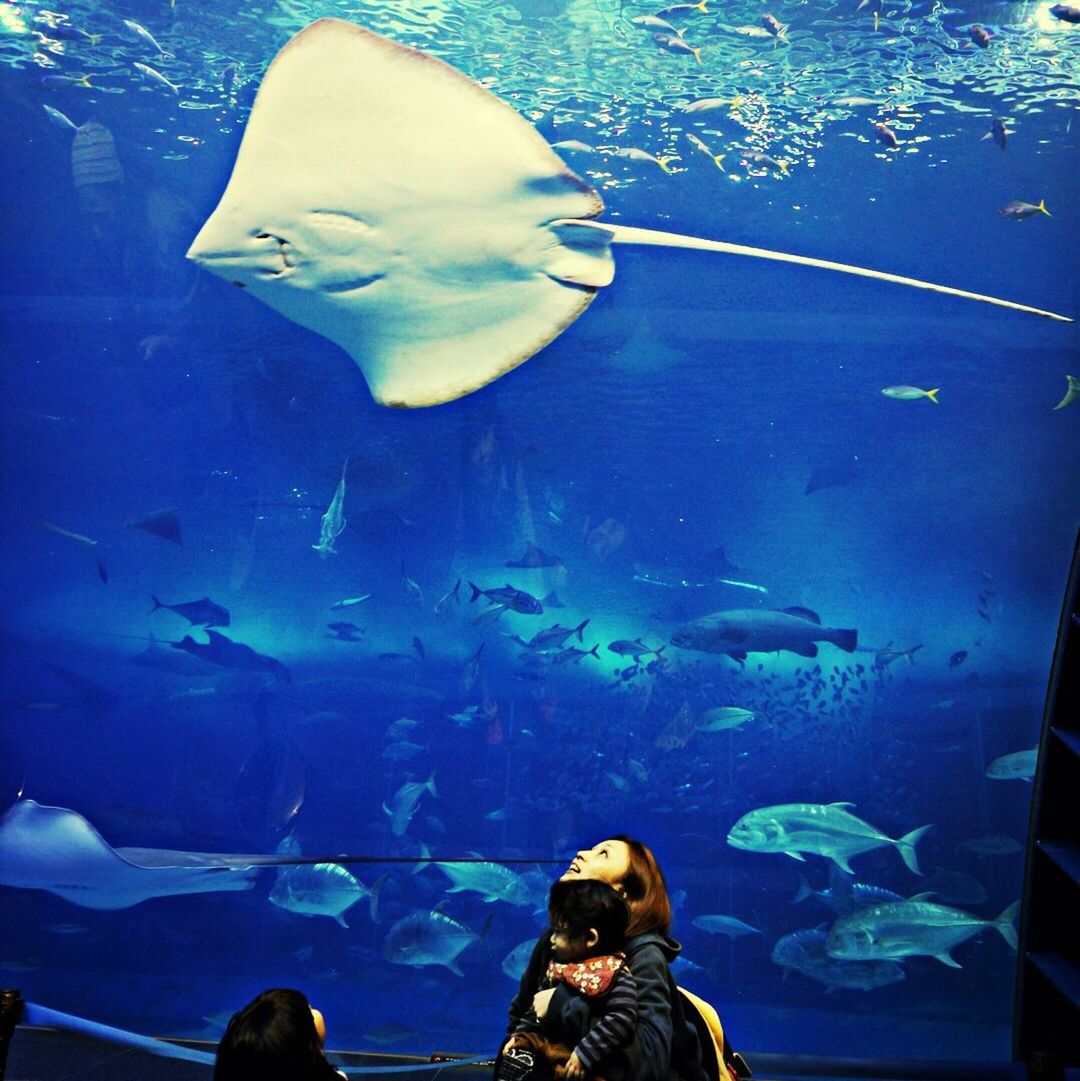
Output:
[[645, 890]]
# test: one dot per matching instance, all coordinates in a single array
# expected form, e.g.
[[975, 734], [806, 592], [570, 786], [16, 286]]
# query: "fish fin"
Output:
[[988, 135], [1005, 924], [809, 650], [923, 896], [1042, 207], [594, 652], [847, 640], [842, 803], [339, 918], [431, 784], [453, 966], [387, 811], [945, 959], [842, 863], [932, 395], [476, 592], [802, 613], [373, 895], [906, 845], [737, 655], [803, 891], [578, 630], [796, 856]]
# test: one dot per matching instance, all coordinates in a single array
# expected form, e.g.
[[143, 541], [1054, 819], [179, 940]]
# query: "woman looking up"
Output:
[[666, 1045]]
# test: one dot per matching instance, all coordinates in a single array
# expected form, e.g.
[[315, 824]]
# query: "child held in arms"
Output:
[[595, 1020]]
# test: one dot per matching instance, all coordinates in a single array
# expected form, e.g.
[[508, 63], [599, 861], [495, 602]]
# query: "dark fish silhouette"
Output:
[[229, 654], [344, 632], [958, 658], [998, 132], [980, 35], [103, 574], [535, 557], [1068, 13], [161, 523], [552, 601], [516, 599], [200, 613]]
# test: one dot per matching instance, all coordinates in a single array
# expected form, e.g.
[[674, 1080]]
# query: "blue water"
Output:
[[689, 409]]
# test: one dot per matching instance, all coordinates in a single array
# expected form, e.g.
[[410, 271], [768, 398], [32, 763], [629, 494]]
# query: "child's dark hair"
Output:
[[578, 904], [273, 1038]]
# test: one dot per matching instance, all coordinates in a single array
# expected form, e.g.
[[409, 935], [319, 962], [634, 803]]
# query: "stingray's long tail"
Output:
[[625, 234]]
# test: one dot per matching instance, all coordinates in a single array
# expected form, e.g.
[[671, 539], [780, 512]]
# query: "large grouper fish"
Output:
[[740, 631]]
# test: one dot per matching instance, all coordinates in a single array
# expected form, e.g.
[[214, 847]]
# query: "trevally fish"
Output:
[[823, 829], [201, 613], [333, 521], [323, 889], [637, 649], [404, 802], [449, 600], [724, 925], [804, 951], [515, 599], [738, 632], [552, 637], [911, 394], [1018, 766], [429, 938], [912, 928], [491, 880]]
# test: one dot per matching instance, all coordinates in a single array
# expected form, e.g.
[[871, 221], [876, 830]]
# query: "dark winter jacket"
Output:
[[666, 1046]]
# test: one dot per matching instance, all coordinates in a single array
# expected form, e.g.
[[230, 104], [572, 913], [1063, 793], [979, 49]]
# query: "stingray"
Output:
[[56, 849], [386, 201]]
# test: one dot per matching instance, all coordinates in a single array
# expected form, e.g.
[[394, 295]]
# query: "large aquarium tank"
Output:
[[739, 542]]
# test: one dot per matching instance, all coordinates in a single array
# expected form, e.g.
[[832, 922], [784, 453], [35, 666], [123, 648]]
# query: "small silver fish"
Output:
[[1019, 211], [674, 43], [144, 35], [1071, 394], [911, 394], [155, 76], [653, 22], [59, 119], [886, 135]]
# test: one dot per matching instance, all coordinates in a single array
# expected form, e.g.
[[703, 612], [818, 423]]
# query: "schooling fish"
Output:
[[674, 43], [350, 602], [911, 394], [144, 35], [155, 76], [1069, 13], [59, 119], [515, 599], [448, 600], [333, 521], [404, 802], [653, 22], [764, 160], [716, 159], [886, 135], [429, 938], [1071, 394], [998, 133], [1019, 211], [773, 25], [201, 613], [323, 889], [633, 648], [54, 82]]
